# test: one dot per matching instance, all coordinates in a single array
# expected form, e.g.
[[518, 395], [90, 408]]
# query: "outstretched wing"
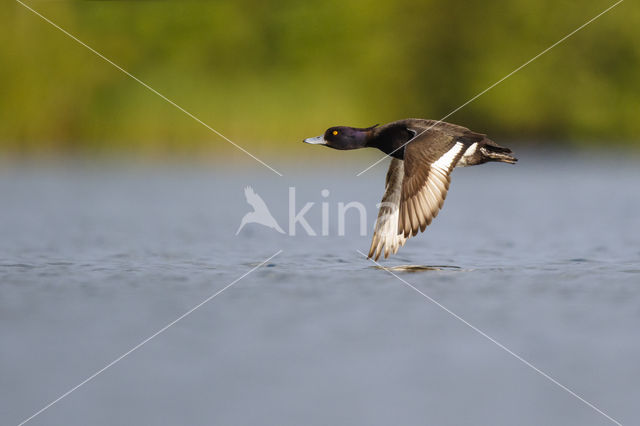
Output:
[[428, 162], [385, 236], [254, 200]]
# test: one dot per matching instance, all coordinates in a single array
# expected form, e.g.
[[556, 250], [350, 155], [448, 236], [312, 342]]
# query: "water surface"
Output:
[[544, 257]]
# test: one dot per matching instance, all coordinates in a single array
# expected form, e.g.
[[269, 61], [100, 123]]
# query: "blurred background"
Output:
[[267, 74]]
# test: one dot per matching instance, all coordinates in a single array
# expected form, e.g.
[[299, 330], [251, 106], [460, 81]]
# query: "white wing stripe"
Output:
[[444, 162], [418, 211], [423, 206]]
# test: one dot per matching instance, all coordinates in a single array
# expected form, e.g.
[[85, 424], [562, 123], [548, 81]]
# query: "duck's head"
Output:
[[343, 137]]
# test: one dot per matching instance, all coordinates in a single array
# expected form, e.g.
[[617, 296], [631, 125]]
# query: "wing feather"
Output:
[[386, 238], [429, 160], [417, 186]]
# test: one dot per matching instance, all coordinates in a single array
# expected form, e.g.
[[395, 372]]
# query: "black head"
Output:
[[342, 137]]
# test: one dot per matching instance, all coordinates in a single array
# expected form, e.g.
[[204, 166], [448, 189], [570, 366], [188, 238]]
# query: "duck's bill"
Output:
[[318, 140]]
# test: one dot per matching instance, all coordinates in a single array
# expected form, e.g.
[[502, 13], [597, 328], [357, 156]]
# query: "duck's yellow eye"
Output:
[[335, 132]]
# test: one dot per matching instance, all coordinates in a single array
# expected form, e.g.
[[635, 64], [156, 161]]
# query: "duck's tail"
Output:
[[493, 152]]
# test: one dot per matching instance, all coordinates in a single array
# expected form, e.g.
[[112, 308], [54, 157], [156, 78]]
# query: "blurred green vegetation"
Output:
[[267, 74]]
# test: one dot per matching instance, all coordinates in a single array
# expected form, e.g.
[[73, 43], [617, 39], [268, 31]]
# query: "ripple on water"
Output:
[[418, 268], [18, 265]]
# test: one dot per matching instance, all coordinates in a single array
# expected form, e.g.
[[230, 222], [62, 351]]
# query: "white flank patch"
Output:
[[464, 161]]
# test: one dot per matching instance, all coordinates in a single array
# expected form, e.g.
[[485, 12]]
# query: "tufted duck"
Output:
[[424, 152]]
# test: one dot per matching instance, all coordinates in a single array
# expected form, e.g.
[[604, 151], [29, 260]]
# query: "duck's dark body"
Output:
[[424, 152], [392, 138]]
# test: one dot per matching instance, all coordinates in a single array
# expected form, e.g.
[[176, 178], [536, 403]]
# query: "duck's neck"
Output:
[[390, 140]]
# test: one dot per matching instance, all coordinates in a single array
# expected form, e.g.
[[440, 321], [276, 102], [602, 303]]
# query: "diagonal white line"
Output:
[[139, 345], [494, 341], [151, 88], [498, 82]]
